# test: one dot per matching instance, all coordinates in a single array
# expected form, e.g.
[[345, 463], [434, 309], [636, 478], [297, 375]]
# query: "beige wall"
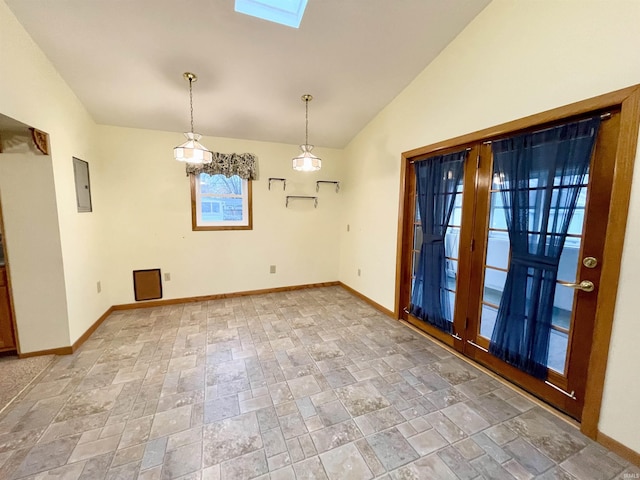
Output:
[[149, 219], [32, 92], [515, 59]]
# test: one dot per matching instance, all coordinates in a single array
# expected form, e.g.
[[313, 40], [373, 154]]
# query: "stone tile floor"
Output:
[[309, 384]]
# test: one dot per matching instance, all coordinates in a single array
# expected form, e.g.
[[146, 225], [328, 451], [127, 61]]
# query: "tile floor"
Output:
[[310, 384]]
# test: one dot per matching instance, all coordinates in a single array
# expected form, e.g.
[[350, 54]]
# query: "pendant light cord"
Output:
[[191, 100], [306, 121]]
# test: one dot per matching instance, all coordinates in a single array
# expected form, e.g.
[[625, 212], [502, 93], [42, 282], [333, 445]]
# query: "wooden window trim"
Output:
[[628, 100], [194, 214]]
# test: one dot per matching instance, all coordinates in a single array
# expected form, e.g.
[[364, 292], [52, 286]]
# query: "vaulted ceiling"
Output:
[[124, 59]]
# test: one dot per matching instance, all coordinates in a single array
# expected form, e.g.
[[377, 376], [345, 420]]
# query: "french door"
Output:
[[478, 254]]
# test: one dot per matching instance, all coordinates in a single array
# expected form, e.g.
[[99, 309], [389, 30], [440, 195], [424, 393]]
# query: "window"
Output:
[[220, 203]]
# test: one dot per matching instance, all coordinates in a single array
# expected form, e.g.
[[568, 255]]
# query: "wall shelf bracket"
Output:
[[315, 199], [283, 180], [336, 183]]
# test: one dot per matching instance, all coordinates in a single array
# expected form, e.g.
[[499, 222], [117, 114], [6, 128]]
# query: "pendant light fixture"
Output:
[[306, 161], [192, 151]]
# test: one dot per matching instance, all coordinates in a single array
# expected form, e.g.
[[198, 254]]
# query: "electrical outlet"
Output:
[[167, 276], [99, 286], [348, 227], [359, 272], [272, 269]]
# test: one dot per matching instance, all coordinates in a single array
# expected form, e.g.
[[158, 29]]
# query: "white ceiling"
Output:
[[124, 59]]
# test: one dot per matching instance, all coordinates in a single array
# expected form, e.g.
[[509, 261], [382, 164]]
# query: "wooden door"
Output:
[[7, 338], [480, 261], [574, 306], [7, 333]]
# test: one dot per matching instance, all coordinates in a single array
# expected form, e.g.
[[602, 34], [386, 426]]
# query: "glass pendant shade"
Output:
[[192, 151], [307, 161]]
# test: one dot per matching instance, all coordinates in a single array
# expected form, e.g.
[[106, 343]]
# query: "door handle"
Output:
[[584, 285]]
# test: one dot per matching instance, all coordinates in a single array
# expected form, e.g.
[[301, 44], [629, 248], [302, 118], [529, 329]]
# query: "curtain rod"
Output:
[[468, 149], [604, 116]]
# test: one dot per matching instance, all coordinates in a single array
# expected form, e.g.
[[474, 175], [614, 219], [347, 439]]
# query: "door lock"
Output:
[[590, 262]]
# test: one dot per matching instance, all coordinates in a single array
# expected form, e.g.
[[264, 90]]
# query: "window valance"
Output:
[[228, 164]]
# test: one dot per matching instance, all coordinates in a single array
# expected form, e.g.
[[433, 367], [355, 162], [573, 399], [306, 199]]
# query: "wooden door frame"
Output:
[[628, 100], [7, 269]]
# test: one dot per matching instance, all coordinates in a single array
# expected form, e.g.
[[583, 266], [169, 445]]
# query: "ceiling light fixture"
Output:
[[192, 151], [307, 161]]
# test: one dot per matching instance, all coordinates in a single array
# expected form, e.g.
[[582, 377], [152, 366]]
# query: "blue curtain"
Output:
[[437, 180], [540, 175]]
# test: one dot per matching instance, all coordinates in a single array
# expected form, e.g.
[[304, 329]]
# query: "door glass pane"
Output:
[[498, 178], [497, 218], [417, 243], [577, 221], [557, 181], [452, 242], [562, 306], [452, 273], [493, 285], [534, 242], [569, 260], [456, 215], [498, 250], [417, 237], [487, 320], [558, 342], [452, 304]]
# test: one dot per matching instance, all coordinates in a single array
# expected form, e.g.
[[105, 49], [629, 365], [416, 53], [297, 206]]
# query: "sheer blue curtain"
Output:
[[540, 175], [437, 180]]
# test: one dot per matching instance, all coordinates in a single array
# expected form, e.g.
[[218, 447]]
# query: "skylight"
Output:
[[284, 12]]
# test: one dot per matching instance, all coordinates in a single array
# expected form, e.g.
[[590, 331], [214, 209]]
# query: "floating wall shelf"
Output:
[[283, 180], [336, 183], [315, 199]]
